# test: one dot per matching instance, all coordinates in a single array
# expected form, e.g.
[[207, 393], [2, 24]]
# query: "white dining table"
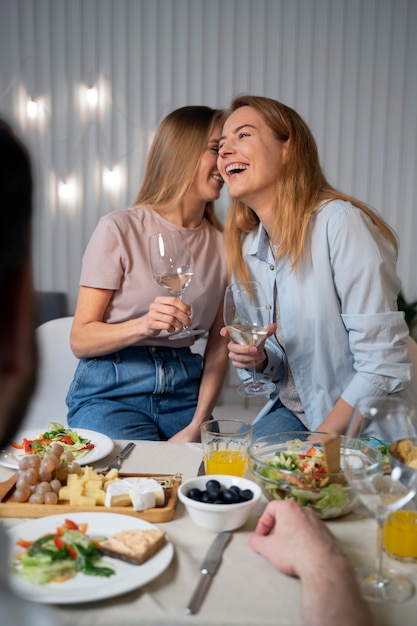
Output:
[[246, 589]]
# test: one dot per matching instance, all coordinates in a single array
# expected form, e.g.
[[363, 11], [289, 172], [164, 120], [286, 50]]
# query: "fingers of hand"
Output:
[[244, 356], [168, 316]]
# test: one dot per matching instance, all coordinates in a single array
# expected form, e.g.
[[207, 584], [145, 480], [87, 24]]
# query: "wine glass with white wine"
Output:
[[172, 267], [247, 315], [382, 485]]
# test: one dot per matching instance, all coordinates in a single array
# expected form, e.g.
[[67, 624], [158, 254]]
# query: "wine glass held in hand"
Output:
[[247, 315], [382, 485], [172, 267]]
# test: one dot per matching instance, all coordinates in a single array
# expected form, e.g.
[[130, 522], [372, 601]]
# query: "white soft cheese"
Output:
[[144, 493]]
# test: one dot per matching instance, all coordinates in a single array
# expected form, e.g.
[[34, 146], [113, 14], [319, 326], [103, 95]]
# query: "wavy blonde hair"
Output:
[[300, 189], [174, 156]]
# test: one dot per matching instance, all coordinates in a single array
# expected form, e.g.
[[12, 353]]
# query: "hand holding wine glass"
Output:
[[375, 423], [172, 267], [247, 315]]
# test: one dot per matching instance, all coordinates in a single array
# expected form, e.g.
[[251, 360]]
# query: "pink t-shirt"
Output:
[[117, 258]]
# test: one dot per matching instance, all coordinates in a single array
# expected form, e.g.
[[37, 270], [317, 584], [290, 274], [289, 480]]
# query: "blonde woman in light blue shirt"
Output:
[[329, 264]]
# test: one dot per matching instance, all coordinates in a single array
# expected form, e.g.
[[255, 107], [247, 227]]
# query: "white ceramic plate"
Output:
[[84, 588], [103, 445]]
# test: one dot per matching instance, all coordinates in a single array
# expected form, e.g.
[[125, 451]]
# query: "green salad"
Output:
[[59, 556], [56, 433], [301, 475]]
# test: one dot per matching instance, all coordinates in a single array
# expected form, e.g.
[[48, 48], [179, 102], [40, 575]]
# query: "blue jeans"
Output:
[[278, 420], [141, 392]]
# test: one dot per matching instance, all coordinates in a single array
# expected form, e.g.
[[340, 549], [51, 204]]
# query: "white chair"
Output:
[[57, 365]]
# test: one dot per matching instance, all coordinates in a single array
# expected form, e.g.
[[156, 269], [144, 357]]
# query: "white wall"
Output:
[[348, 66]]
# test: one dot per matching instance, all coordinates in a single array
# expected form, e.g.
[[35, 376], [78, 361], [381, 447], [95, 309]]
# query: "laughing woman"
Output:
[[328, 263], [132, 382]]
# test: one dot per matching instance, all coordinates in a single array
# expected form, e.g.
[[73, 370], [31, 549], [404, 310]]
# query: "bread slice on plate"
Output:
[[133, 546]]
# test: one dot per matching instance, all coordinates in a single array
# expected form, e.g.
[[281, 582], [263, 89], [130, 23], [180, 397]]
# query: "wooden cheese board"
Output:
[[170, 483]]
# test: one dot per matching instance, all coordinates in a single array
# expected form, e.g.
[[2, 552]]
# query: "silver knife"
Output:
[[207, 570], [117, 463]]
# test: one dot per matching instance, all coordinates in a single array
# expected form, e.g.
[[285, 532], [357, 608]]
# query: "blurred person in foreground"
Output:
[[18, 354], [295, 541]]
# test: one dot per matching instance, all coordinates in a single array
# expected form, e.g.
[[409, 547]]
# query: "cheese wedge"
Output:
[[141, 493]]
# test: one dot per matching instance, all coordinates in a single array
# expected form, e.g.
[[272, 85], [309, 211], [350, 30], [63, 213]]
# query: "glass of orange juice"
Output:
[[225, 446], [400, 534]]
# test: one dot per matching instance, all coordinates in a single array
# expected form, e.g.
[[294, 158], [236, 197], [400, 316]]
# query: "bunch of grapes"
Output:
[[39, 479]]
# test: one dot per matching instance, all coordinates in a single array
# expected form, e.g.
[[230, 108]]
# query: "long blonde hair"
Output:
[[174, 156], [300, 190]]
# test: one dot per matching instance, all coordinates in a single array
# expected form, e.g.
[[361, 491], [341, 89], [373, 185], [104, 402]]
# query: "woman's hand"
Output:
[[189, 433], [245, 357], [91, 336], [167, 313]]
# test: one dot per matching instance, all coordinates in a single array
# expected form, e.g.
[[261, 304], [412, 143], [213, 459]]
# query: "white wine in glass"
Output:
[[382, 486], [172, 267], [247, 315]]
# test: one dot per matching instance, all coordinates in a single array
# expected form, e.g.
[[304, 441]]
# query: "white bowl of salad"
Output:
[[292, 465]]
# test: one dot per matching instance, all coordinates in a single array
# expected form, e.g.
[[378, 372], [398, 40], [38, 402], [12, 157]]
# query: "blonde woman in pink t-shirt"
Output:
[[132, 382]]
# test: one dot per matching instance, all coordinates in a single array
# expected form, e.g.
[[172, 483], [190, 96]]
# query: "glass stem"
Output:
[[254, 379], [380, 548], [185, 328]]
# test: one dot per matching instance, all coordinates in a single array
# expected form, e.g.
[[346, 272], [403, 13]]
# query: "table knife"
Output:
[[207, 570], [117, 463]]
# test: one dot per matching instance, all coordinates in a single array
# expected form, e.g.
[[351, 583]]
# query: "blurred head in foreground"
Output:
[[18, 356]]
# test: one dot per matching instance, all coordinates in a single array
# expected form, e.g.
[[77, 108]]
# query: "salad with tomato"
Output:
[[311, 464], [300, 473], [59, 556], [56, 433]]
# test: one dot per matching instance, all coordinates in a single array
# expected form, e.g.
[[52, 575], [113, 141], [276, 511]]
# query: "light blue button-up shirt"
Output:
[[343, 334]]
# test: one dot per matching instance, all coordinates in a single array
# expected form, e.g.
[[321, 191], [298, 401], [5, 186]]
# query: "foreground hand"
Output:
[[293, 538]]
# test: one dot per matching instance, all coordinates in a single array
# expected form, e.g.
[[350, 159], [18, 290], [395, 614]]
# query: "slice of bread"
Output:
[[133, 546]]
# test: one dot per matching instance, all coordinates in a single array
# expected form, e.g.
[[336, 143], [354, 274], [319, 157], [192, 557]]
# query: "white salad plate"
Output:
[[84, 588], [103, 445]]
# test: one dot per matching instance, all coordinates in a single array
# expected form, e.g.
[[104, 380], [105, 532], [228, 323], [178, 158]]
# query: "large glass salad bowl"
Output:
[[292, 465]]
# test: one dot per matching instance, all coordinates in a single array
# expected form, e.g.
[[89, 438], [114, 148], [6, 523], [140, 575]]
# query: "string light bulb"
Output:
[[112, 178], [66, 191], [32, 109], [92, 97]]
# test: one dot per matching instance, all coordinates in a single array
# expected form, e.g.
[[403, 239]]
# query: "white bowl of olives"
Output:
[[219, 502]]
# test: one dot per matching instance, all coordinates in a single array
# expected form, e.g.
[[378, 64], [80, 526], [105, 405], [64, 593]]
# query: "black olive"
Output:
[[214, 494], [246, 494], [195, 493], [230, 496], [213, 483]]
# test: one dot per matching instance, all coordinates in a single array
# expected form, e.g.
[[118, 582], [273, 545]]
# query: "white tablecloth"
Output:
[[246, 589]]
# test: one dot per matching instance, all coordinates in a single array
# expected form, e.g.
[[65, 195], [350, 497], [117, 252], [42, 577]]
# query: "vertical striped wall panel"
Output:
[[348, 66]]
